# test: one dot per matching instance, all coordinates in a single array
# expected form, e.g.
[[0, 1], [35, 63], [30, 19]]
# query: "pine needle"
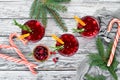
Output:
[[44, 16], [40, 9], [100, 47], [58, 19], [102, 57], [98, 77], [56, 7], [33, 8], [62, 0]]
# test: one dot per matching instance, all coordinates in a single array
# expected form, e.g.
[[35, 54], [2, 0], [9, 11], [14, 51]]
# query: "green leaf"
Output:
[[23, 27], [57, 19], [98, 77]]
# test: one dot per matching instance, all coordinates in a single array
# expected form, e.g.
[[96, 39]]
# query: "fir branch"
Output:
[[57, 48], [56, 7], [101, 59], [57, 18], [98, 77], [40, 8], [38, 11], [100, 47], [62, 0], [44, 16], [96, 60], [33, 8], [112, 72]]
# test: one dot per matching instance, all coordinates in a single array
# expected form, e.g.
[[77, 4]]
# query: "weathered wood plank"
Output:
[[65, 69], [65, 63], [43, 75], [7, 27], [20, 9]]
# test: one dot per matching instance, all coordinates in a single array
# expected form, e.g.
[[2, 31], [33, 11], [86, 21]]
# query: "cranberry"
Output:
[[55, 60], [71, 45], [91, 29], [41, 53], [38, 30], [53, 53]]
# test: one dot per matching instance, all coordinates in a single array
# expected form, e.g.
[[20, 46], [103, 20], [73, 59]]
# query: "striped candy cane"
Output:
[[115, 40], [23, 60]]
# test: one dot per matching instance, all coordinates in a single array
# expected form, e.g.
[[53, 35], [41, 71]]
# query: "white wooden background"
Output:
[[65, 69]]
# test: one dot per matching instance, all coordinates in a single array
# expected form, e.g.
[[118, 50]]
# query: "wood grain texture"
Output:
[[65, 69], [20, 9], [42, 75]]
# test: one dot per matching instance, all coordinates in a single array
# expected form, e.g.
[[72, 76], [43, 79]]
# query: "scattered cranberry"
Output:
[[53, 53], [55, 60]]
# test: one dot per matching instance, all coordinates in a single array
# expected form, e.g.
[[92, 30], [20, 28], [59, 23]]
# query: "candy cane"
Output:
[[19, 61], [18, 51], [23, 60], [115, 40], [14, 60], [15, 47]]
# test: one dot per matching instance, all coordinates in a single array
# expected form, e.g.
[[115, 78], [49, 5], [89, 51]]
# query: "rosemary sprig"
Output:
[[23, 27], [78, 30], [57, 48]]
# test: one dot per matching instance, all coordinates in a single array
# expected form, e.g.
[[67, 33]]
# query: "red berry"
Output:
[[41, 53], [71, 45], [55, 60], [53, 53], [91, 28], [38, 30]]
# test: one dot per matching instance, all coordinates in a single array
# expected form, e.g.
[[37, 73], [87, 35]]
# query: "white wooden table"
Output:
[[65, 69]]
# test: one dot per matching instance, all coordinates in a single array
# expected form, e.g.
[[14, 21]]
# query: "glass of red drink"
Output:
[[91, 29], [71, 45], [37, 32]]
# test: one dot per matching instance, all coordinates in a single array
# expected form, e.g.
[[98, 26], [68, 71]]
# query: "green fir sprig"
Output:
[[23, 27], [98, 77], [78, 30], [57, 48], [101, 58], [62, 0], [41, 8]]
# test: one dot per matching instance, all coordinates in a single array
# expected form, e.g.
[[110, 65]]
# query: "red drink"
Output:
[[71, 45], [91, 29], [37, 33]]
